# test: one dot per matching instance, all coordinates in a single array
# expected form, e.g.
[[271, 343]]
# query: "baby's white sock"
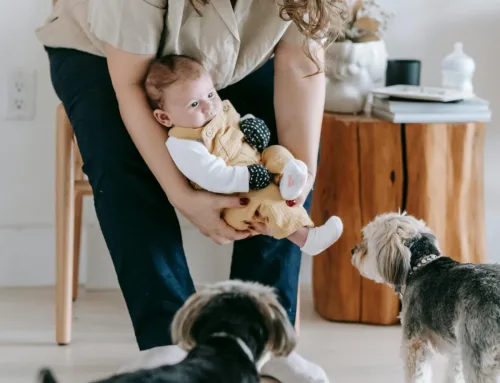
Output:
[[322, 237], [293, 180]]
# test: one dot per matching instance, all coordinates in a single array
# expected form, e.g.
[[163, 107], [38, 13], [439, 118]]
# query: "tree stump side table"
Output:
[[370, 166]]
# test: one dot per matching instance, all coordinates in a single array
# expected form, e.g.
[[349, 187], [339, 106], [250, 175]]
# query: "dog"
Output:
[[447, 306], [229, 331]]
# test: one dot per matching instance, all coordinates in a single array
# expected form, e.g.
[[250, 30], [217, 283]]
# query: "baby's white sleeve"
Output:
[[208, 171]]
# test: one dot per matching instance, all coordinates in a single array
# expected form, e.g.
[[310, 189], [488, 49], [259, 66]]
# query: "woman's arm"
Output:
[[211, 173], [128, 71], [299, 100]]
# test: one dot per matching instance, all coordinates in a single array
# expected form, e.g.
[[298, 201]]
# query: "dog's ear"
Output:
[[393, 260], [282, 338], [185, 318]]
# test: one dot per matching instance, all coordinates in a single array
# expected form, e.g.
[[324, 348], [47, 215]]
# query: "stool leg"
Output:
[[79, 176], [64, 222], [77, 227]]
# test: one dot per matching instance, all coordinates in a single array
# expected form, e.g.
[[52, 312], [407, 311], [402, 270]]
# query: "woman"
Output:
[[99, 52]]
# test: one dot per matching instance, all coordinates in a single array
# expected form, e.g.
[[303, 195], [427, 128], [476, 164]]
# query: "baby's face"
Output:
[[191, 103]]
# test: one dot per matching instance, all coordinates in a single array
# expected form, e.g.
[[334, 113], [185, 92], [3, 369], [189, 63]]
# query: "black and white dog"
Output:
[[447, 306], [229, 330]]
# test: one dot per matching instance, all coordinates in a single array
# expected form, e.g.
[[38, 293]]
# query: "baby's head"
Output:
[[181, 92]]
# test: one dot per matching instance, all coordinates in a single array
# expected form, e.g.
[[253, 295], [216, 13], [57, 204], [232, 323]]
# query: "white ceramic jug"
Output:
[[458, 70]]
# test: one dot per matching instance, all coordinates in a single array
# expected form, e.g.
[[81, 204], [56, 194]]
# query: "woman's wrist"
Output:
[[179, 195]]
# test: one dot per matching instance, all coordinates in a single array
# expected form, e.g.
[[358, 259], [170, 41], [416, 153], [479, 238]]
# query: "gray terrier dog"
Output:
[[447, 306]]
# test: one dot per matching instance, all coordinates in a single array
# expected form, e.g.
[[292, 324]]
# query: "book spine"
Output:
[[430, 108], [433, 118]]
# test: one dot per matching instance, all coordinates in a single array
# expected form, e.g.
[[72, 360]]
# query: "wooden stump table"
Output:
[[368, 167]]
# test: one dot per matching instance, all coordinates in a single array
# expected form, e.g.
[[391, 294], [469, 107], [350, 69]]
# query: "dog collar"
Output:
[[424, 261], [240, 342]]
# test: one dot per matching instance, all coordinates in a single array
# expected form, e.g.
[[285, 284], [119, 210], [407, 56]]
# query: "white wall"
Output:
[[26, 155], [424, 29]]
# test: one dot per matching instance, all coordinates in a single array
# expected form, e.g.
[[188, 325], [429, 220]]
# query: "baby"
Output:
[[222, 153]]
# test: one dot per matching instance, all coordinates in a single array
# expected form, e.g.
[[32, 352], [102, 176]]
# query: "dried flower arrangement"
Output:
[[368, 21]]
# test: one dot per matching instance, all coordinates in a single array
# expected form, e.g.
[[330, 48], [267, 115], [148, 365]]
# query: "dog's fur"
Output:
[[229, 329], [446, 306]]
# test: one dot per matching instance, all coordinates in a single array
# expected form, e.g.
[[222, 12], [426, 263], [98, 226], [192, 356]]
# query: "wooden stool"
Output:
[[369, 166]]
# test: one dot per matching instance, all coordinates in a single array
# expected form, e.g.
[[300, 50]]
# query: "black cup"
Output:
[[402, 72]]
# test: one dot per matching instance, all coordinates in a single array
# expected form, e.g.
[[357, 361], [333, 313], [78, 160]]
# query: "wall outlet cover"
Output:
[[20, 94]]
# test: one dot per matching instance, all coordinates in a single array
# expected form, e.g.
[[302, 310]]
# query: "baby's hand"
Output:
[[256, 132], [258, 228], [259, 177]]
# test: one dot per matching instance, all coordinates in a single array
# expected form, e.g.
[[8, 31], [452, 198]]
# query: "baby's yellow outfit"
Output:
[[224, 139]]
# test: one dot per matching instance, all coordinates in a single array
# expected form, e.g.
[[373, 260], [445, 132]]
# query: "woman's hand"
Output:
[[203, 209]]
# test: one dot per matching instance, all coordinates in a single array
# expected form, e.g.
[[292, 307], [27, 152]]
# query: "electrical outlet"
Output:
[[21, 93]]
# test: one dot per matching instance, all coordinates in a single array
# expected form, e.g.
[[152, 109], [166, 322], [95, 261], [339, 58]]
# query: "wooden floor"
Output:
[[103, 341]]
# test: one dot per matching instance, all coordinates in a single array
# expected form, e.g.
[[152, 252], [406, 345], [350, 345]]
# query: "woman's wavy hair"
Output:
[[319, 20]]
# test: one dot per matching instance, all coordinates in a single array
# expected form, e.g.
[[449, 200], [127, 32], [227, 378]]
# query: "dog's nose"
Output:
[[353, 250]]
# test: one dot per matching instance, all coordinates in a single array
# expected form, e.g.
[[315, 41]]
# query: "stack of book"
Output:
[[407, 104]]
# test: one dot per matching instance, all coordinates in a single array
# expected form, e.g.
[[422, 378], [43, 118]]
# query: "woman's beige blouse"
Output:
[[230, 43]]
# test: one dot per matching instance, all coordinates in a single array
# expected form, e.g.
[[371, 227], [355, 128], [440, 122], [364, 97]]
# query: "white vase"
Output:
[[352, 71], [458, 70]]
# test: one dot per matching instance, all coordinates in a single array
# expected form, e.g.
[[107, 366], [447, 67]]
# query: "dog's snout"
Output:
[[353, 250]]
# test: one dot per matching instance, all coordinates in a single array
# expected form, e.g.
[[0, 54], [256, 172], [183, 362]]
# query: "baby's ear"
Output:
[[162, 117]]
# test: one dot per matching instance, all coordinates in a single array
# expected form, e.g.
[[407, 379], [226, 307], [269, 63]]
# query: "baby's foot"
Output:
[[293, 179], [322, 237]]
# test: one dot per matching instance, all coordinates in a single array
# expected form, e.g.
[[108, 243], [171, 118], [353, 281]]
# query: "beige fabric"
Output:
[[230, 43], [223, 138], [274, 159]]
